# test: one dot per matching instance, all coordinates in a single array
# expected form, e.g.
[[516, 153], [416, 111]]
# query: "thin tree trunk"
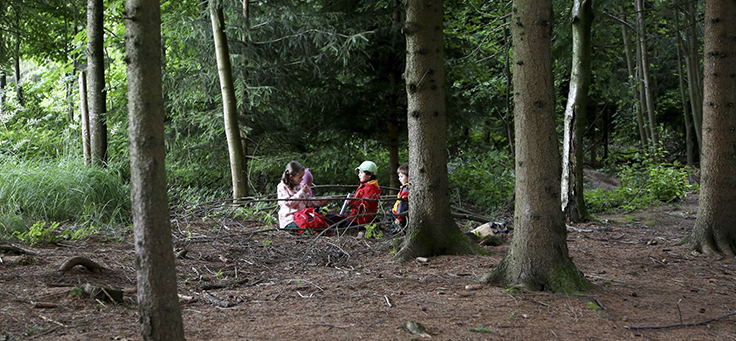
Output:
[[508, 115], [573, 204], [633, 79], [648, 96], [642, 114], [158, 302], [692, 60], [683, 97], [538, 257], [229, 104], [84, 113], [715, 228], [16, 65], [96, 83], [431, 228], [393, 103]]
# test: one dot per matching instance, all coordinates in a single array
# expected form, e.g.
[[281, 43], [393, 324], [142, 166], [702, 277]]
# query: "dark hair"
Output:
[[404, 169], [293, 168], [371, 176]]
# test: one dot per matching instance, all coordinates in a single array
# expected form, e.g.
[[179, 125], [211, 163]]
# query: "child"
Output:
[[401, 205], [368, 189], [291, 187]]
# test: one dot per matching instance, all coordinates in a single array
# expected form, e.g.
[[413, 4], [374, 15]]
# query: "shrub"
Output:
[[643, 184]]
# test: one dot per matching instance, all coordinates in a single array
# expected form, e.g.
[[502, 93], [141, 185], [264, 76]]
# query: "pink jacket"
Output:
[[288, 207]]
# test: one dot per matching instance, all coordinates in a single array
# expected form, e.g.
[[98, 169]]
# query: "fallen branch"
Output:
[[684, 324]]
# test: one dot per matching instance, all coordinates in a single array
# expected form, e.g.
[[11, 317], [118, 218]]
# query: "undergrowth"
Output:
[[642, 185], [63, 191]]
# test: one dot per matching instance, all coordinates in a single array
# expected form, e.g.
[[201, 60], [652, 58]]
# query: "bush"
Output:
[[644, 184], [484, 180]]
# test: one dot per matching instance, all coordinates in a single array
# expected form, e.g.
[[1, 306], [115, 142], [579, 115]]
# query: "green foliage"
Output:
[[372, 231], [65, 191], [484, 179], [42, 232], [642, 184]]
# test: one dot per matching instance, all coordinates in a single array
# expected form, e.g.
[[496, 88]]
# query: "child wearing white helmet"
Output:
[[363, 211]]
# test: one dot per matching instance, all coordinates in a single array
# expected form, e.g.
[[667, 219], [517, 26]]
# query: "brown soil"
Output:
[[236, 283]]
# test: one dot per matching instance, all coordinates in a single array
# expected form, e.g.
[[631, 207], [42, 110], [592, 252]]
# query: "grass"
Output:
[[63, 191]]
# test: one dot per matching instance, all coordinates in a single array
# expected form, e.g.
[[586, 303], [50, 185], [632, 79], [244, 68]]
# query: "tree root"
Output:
[[684, 324], [86, 262]]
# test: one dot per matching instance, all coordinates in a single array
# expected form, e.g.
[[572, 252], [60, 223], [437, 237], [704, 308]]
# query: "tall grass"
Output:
[[60, 191]]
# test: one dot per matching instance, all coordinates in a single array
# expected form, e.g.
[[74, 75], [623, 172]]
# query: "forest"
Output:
[[125, 121]]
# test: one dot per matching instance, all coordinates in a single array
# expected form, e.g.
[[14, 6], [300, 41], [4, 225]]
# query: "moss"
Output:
[[567, 279]]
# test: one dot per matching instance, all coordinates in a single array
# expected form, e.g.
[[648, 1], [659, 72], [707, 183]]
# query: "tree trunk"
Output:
[[573, 204], [158, 302], [393, 102], [3, 82], [683, 97], [507, 92], [16, 65], [84, 113], [715, 227], [96, 83], [229, 104], [633, 79], [641, 109], [538, 257], [692, 61], [648, 96], [431, 228]]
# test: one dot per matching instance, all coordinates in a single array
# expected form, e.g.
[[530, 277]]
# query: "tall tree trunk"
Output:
[[646, 75], [158, 302], [683, 97], [715, 228], [692, 61], [431, 228], [16, 64], [641, 109], [393, 102], [84, 113], [573, 204], [229, 103], [96, 83], [508, 115], [633, 79], [538, 257]]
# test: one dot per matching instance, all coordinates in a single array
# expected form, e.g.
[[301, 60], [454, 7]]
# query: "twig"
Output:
[[684, 324]]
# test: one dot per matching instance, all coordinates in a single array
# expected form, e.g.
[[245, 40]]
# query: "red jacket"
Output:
[[366, 190]]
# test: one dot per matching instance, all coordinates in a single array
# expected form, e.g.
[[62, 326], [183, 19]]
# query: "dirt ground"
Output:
[[238, 281]]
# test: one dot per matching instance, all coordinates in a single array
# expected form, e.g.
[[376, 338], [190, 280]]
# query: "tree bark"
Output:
[[633, 79], [96, 83], [393, 102], [16, 63], [645, 74], [159, 310], [683, 97], [84, 115], [573, 203], [692, 61], [229, 104], [431, 228], [715, 227], [538, 257]]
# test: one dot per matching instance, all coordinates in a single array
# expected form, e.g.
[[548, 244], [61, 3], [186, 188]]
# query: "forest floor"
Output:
[[240, 282]]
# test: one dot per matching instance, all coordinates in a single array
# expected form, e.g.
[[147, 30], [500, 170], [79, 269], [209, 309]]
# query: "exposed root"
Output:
[[86, 262]]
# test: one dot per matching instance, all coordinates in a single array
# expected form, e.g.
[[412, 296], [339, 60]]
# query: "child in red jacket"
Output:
[[363, 211]]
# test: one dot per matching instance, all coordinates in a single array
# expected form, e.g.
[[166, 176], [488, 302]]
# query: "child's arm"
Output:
[[284, 193]]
